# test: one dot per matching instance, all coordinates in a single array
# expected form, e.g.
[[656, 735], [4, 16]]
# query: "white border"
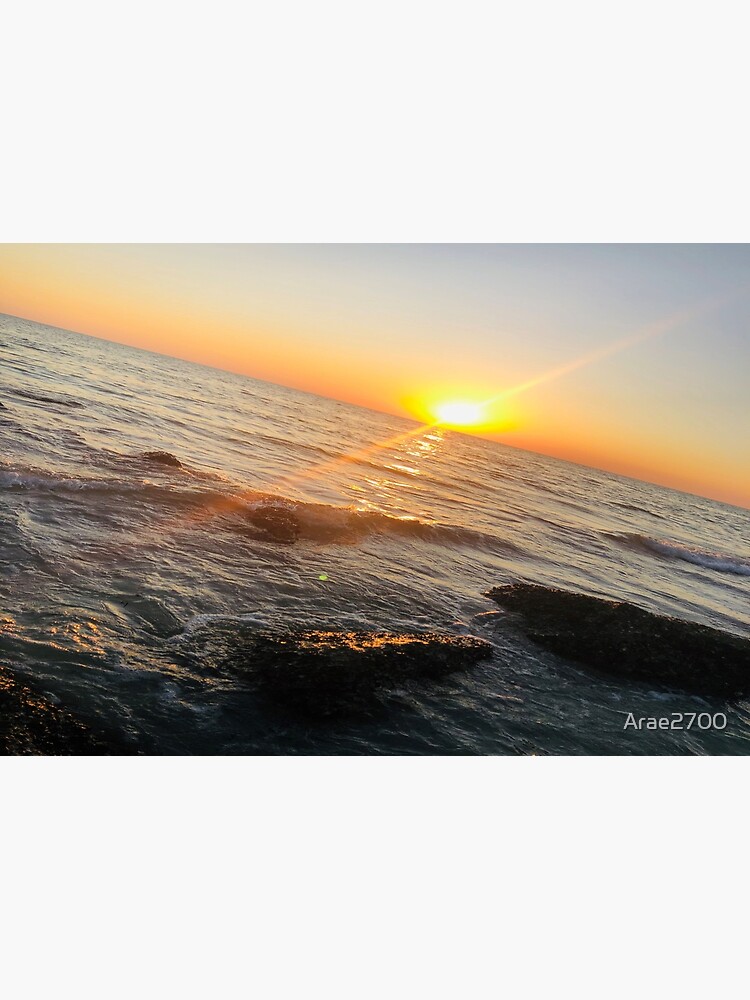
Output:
[[395, 121], [333, 878], [369, 122]]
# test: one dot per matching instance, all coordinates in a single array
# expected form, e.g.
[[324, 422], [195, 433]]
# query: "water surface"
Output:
[[112, 562]]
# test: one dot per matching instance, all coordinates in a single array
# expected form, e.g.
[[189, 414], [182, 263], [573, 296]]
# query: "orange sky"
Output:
[[400, 328]]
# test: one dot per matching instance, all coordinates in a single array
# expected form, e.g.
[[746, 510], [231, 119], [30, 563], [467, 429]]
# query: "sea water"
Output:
[[111, 560]]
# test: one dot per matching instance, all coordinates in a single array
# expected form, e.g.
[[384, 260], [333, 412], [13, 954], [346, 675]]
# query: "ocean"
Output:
[[117, 564]]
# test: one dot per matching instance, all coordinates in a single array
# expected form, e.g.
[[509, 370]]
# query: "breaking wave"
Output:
[[719, 561], [318, 522]]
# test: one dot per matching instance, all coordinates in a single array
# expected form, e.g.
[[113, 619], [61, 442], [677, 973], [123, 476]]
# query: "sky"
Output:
[[630, 358]]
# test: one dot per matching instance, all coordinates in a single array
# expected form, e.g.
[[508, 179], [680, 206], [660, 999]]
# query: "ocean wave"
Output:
[[325, 523], [719, 561], [36, 397], [12, 479], [318, 522], [197, 623], [642, 509], [40, 479]]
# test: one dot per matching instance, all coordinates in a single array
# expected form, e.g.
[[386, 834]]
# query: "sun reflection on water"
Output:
[[408, 459]]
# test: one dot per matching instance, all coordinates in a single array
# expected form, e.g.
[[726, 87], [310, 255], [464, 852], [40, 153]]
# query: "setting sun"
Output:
[[459, 414]]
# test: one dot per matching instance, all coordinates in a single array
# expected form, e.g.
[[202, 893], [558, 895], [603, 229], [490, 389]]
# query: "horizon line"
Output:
[[387, 413]]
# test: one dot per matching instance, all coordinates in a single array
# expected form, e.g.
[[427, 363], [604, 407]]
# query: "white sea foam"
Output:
[[198, 622], [30, 479], [719, 561]]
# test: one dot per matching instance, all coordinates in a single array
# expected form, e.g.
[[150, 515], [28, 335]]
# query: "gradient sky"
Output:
[[400, 328]]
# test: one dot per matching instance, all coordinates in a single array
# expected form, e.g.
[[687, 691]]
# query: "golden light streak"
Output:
[[648, 333], [217, 506], [465, 413]]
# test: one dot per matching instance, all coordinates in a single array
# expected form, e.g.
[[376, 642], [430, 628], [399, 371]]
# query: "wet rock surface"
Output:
[[325, 672], [165, 458], [275, 522], [31, 724], [624, 641]]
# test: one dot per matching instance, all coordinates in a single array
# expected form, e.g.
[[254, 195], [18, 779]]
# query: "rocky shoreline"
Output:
[[30, 723], [325, 673], [624, 641], [322, 673]]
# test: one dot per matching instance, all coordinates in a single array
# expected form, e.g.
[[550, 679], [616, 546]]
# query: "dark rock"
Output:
[[276, 522], [327, 672], [163, 458], [624, 641], [30, 723]]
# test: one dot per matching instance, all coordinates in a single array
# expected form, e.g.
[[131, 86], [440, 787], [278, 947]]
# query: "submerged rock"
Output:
[[163, 458], [276, 522], [625, 641], [31, 723], [324, 672]]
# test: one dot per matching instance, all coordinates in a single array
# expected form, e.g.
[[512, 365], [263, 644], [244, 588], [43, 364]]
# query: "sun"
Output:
[[459, 414]]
